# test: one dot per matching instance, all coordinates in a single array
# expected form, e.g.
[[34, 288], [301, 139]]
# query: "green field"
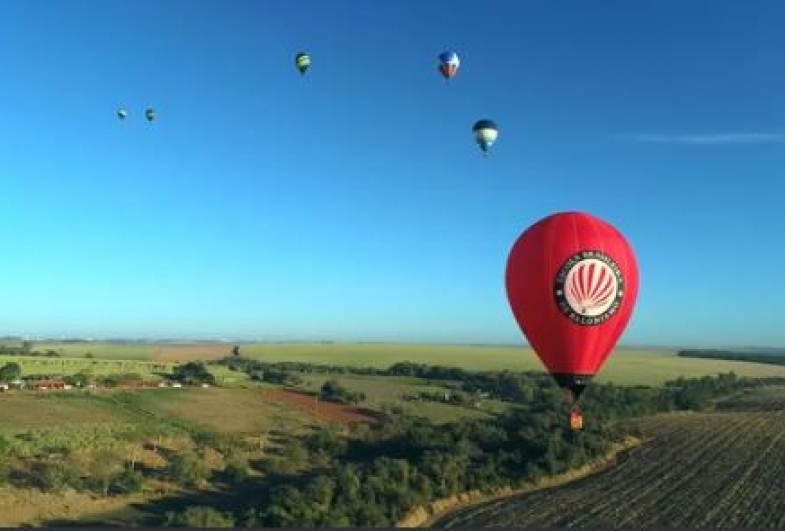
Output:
[[24, 411], [80, 419], [217, 409], [221, 410], [99, 350], [43, 365], [625, 366], [385, 390]]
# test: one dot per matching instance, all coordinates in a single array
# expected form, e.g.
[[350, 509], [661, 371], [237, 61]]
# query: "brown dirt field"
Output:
[[325, 411], [192, 352]]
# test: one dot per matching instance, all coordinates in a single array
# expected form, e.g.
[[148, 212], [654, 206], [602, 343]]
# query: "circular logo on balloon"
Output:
[[589, 287]]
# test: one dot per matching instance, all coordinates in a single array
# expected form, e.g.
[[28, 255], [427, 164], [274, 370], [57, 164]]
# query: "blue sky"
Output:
[[352, 203]]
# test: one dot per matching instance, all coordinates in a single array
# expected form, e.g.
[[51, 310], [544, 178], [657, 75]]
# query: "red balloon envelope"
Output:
[[572, 282]]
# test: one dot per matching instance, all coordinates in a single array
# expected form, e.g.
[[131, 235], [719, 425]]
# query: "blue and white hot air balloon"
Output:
[[485, 133], [448, 64]]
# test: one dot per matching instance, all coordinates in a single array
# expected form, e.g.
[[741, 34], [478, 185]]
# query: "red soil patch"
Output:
[[310, 404]]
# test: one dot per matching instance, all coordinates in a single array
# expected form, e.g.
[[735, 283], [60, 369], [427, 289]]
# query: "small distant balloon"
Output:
[[150, 114], [303, 62], [448, 64], [485, 133], [122, 114]]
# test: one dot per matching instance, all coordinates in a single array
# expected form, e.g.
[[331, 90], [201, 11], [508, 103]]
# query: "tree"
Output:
[[10, 371], [293, 458], [348, 484], [326, 444], [27, 346], [188, 469], [5, 446], [236, 351], [131, 481], [322, 492], [83, 378], [199, 517], [193, 373], [104, 469], [236, 470], [332, 391]]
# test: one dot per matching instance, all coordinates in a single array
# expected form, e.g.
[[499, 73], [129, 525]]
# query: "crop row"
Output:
[[711, 469]]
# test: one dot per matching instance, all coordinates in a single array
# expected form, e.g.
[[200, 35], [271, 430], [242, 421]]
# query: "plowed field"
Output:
[[719, 469], [325, 411]]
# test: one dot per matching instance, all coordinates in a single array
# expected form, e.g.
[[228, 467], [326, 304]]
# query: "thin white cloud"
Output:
[[709, 139]]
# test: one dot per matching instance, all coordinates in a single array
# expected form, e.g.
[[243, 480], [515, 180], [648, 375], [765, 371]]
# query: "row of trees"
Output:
[[275, 376], [332, 391], [525, 388], [191, 373], [774, 357], [104, 473], [26, 349]]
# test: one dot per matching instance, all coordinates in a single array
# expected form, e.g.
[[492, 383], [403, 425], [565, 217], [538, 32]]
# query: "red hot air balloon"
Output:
[[572, 282]]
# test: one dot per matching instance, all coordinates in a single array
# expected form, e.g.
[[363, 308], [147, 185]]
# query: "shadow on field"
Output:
[[222, 497]]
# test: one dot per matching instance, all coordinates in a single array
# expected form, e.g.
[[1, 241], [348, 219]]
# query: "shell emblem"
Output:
[[589, 288]]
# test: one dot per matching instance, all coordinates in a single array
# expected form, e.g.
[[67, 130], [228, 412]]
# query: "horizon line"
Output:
[[247, 341]]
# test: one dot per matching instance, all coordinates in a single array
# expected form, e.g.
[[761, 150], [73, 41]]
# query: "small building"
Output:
[[4, 387], [177, 384], [42, 385]]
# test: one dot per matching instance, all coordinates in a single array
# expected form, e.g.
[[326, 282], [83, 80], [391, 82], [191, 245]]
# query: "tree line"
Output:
[[522, 388], [775, 357]]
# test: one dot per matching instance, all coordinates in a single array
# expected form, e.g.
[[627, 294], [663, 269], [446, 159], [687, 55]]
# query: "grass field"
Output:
[[100, 350], [217, 409], [721, 469], [625, 366], [23, 411], [42, 365], [220, 410], [381, 390]]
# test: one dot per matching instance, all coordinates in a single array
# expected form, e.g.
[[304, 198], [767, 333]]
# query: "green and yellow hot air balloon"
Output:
[[303, 62]]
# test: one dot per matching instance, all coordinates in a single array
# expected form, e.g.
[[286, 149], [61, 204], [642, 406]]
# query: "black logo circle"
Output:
[[589, 288]]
